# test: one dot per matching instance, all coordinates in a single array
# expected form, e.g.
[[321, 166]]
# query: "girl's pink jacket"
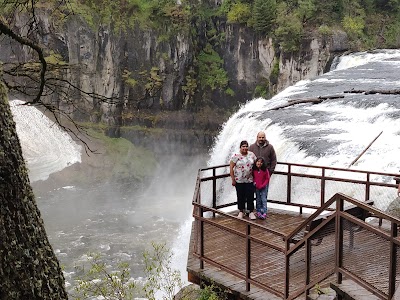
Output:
[[260, 178]]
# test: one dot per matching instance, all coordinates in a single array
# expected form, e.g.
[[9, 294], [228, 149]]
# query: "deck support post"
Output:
[[393, 260], [201, 240], [339, 239], [287, 270], [308, 263], [248, 256]]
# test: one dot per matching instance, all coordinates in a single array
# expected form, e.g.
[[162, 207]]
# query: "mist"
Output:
[[116, 219]]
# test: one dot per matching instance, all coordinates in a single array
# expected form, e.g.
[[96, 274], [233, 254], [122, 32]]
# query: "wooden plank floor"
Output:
[[267, 263], [229, 250]]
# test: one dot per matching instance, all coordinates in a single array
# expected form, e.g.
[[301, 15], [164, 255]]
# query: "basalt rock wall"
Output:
[[146, 75]]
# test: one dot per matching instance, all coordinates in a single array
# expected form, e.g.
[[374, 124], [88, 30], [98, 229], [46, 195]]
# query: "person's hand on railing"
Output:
[[398, 190]]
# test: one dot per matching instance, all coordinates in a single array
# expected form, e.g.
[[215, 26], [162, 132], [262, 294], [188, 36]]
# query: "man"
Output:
[[262, 148]]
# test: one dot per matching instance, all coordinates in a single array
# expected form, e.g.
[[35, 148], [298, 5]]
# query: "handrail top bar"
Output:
[[316, 167], [214, 167], [369, 208]]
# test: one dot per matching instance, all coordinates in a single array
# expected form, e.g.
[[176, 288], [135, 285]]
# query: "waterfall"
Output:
[[332, 133], [45, 146]]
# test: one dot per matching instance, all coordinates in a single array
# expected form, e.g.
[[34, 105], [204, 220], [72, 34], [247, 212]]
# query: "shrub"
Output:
[[100, 281], [239, 13]]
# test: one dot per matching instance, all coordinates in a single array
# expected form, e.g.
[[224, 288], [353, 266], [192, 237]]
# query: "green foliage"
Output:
[[100, 280], [353, 8], [126, 76], [305, 10], [123, 14], [392, 34], [261, 90], [211, 71], [212, 292], [353, 26], [264, 15], [327, 12], [320, 291], [154, 81], [55, 59], [324, 30], [273, 77], [289, 30], [239, 13], [160, 276], [225, 7], [190, 87], [230, 92]]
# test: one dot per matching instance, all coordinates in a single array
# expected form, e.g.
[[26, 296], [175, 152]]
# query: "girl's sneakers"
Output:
[[261, 216]]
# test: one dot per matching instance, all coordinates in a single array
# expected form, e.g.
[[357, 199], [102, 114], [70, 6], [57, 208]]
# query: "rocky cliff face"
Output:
[[146, 74]]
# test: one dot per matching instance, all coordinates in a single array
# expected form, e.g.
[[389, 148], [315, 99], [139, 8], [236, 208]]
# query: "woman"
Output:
[[241, 167]]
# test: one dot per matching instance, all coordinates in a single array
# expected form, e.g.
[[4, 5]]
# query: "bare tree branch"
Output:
[[5, 29]]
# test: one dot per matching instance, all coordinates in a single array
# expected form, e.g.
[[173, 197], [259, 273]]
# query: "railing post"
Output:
[[392, 261], [289, 184], [214, 191], [248, 257], [367, 188], [323, 187], [339, 239]]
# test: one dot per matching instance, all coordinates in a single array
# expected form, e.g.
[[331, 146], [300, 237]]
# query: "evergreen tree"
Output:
[[264, 12]]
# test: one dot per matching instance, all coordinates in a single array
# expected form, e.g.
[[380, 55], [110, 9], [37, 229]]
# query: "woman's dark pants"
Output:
[[245, 194]]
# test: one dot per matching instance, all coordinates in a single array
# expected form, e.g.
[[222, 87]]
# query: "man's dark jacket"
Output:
[[267, 152]]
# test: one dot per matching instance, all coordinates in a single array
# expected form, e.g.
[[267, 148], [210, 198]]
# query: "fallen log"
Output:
[[371, 92], [384, 92], [319, 97], [354, 92], [300, 101], [307, 100], [366, 148]]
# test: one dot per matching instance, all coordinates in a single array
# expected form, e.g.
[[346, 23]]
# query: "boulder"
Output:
[[394, 208]]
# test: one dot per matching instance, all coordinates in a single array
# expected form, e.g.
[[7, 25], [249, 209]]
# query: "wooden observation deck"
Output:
[[306, 241]]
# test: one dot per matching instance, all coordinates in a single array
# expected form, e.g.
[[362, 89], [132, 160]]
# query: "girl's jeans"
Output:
[[261, 200]]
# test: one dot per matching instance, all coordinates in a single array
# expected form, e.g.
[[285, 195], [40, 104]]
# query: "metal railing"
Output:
[[315, 255]]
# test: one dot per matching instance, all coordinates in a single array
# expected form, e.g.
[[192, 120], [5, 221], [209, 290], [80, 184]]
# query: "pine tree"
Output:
[[264, 12]]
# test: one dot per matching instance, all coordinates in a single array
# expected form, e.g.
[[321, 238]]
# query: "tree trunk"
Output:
[[29, 268]]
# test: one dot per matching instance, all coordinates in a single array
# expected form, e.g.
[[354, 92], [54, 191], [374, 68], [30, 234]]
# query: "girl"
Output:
[[261, 180]]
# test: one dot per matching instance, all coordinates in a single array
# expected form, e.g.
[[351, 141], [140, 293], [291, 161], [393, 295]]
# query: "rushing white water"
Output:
[[46, 147], [332, 133]]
